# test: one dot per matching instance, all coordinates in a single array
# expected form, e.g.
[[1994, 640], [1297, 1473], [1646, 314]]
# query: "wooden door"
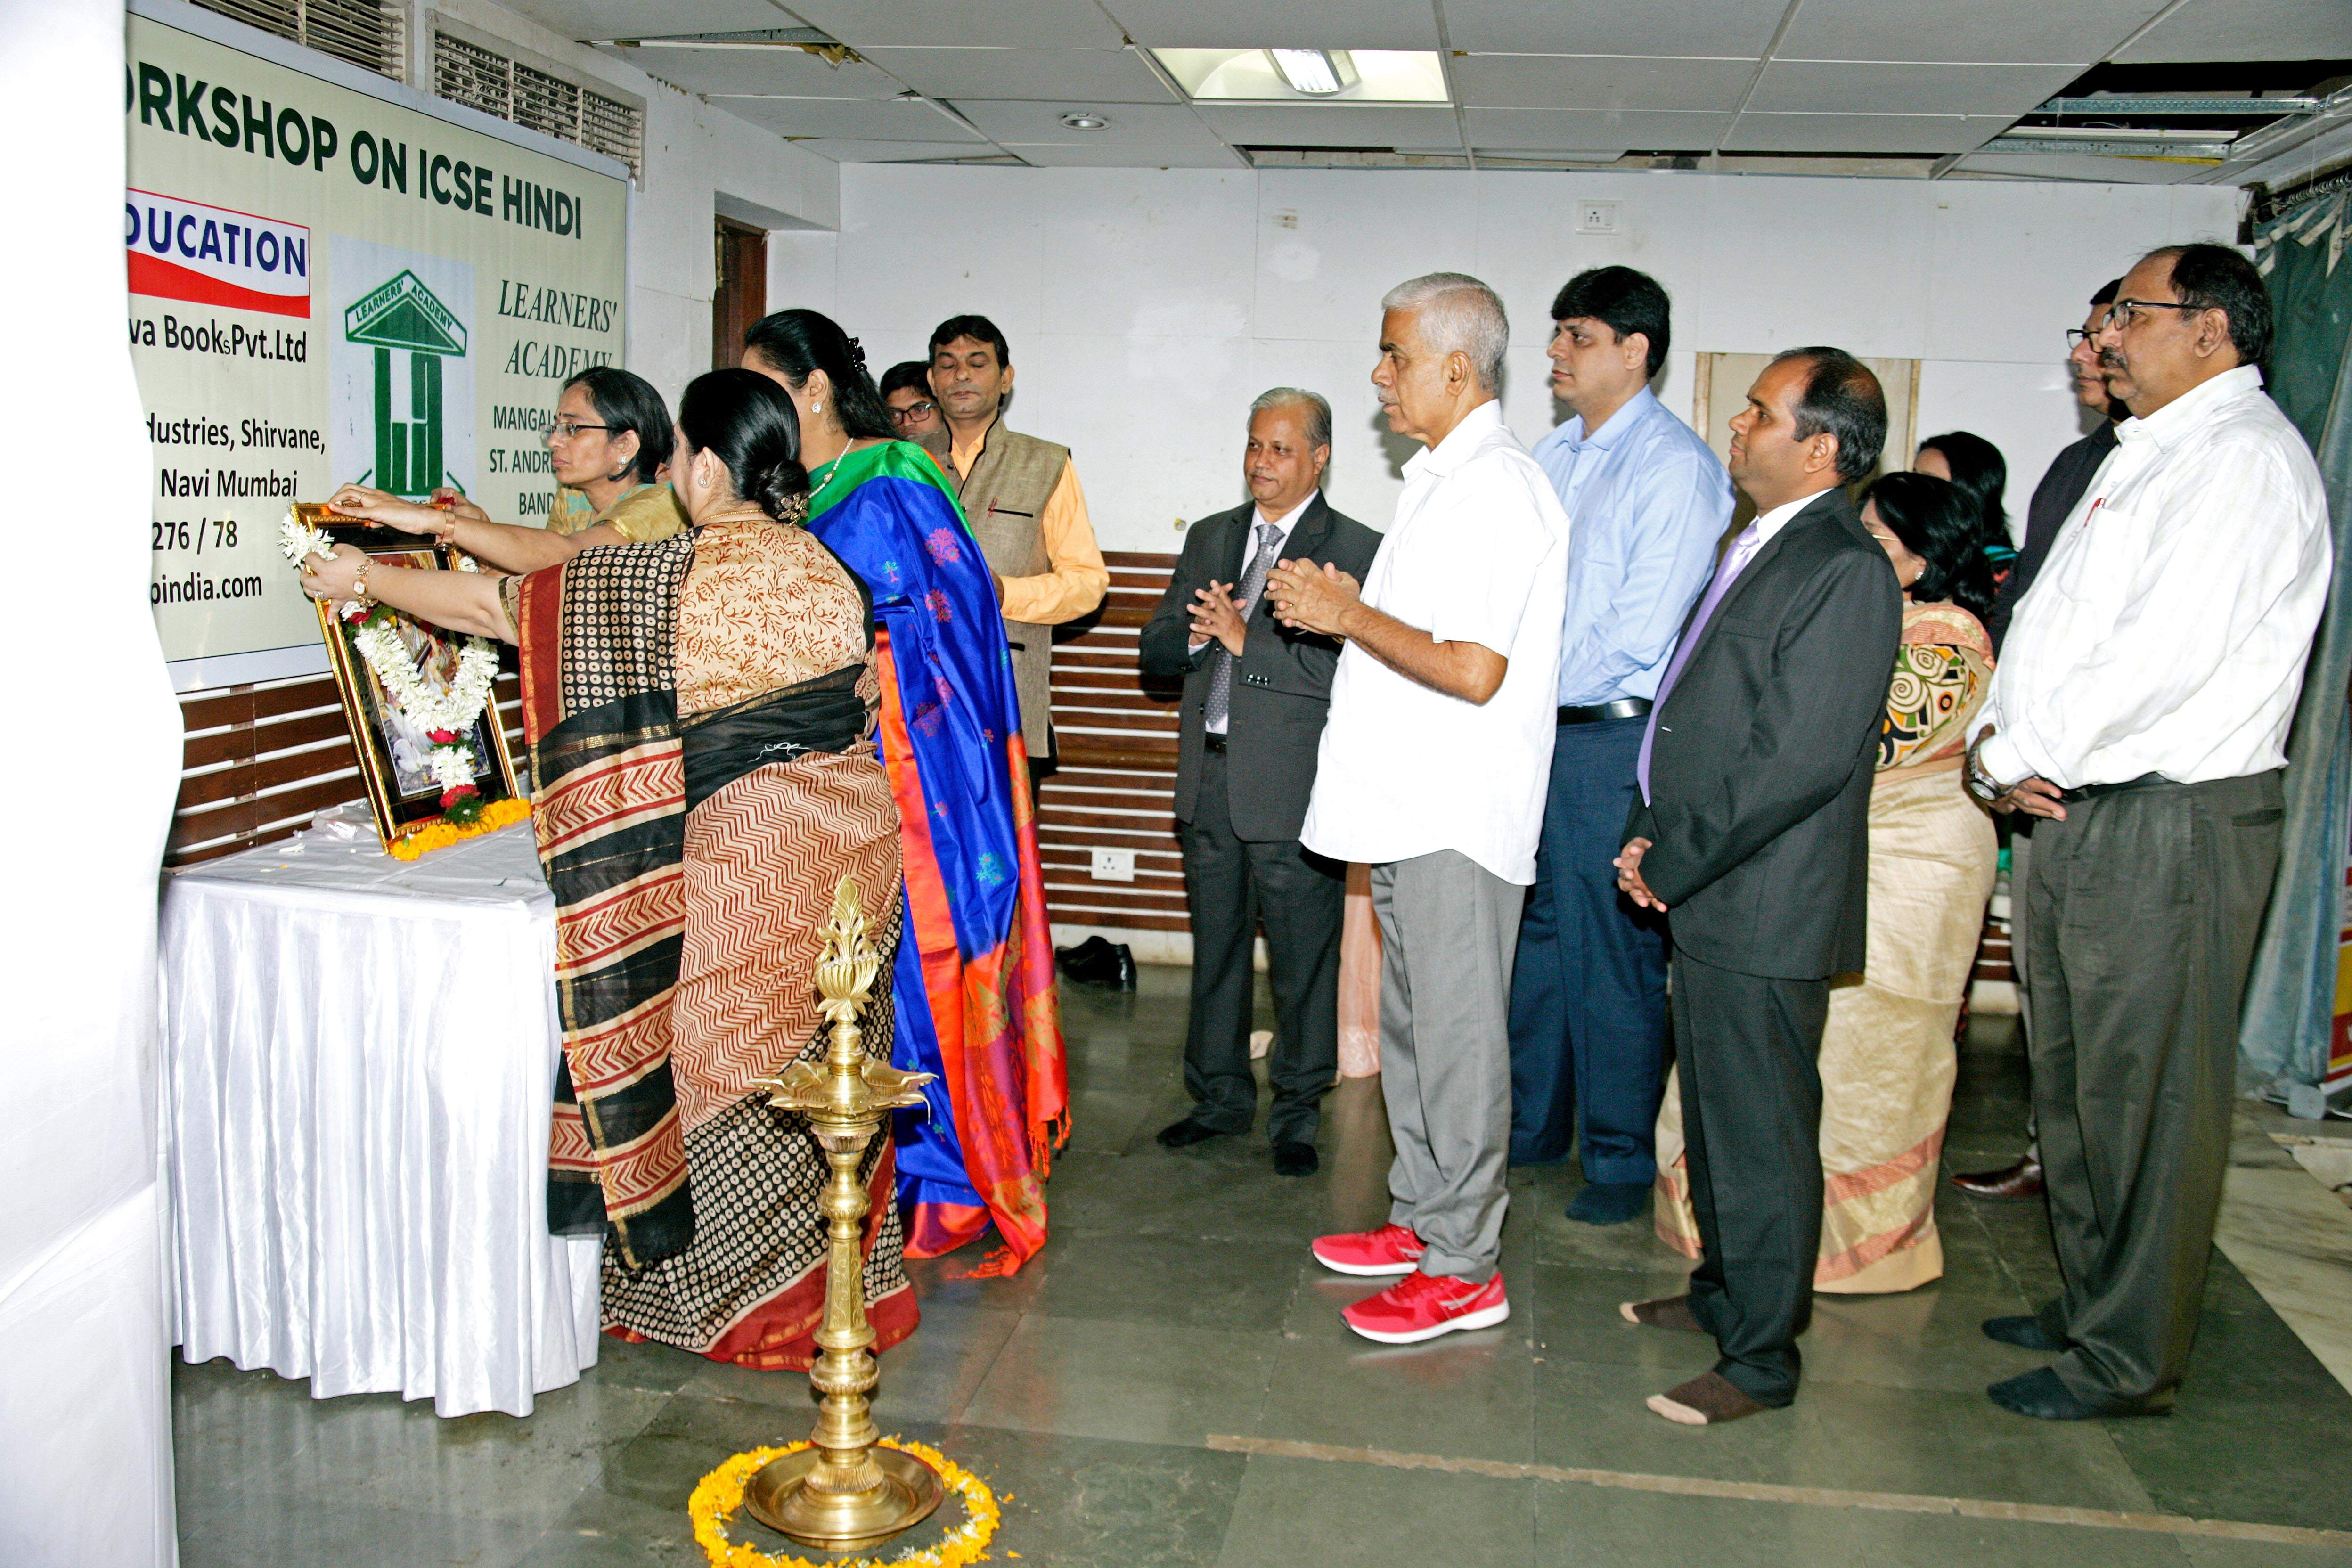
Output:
[[741, 296]]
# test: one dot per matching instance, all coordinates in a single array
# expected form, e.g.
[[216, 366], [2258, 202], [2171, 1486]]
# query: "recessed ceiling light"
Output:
[[1085, 120], [1318, 73], [1307, 76]]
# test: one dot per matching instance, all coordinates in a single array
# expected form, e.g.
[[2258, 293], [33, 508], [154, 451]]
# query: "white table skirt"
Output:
[[359, 1056]]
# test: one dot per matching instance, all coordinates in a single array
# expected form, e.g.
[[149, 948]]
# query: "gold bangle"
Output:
[[358, 583]]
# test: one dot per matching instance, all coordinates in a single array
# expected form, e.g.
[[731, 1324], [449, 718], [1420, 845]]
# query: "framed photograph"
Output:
[[394, 754]]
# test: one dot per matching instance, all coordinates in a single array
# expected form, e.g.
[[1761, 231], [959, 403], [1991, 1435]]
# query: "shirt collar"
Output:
[[1614, 428], [2177, 418], [1288, 520], [1478, 426], [1780, 517]]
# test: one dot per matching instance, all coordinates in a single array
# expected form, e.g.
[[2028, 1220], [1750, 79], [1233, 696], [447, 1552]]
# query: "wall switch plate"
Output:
[[1596, 217], [1114, 864]]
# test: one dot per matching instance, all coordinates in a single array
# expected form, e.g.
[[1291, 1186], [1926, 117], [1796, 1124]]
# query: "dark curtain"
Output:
[[2291, 998]]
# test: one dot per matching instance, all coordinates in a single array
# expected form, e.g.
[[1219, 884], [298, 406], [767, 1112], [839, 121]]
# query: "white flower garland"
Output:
[[453, 713]]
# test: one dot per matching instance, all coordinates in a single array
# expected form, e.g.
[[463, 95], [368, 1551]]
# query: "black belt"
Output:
[[2093, 792], [1213, 741], [1623, 708]]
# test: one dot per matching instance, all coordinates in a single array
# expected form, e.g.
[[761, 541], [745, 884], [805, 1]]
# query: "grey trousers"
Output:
[[2145, 905], [1449, 928]]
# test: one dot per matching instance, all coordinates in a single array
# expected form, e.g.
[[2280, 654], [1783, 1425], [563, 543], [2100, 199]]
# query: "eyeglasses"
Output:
[[2077, 337], [912, 412], [570, 428], [2120, 313]]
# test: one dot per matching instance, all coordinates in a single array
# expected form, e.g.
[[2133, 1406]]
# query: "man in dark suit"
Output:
[[1752, 829], [1255, 694]]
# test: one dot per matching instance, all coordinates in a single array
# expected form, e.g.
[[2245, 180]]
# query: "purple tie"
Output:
[[1735, 559]]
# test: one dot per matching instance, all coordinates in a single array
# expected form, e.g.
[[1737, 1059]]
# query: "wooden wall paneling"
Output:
[[1114, 785]]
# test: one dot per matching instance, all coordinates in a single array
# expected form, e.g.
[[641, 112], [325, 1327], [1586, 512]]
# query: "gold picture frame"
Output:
[[392, 754]]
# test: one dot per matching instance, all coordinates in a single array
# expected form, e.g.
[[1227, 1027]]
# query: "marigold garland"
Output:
[[441, 834], [720, 1493]]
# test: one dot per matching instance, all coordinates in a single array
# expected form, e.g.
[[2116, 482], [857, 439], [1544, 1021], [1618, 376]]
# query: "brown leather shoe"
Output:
[[2022, 1180]]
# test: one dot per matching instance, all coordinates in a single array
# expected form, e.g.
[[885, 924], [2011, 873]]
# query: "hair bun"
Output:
[[781, 489]]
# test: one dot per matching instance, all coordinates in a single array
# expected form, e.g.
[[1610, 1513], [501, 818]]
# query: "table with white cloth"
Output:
[[359, 1063]]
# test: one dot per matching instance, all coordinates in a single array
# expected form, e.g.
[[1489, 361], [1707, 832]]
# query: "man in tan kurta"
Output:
[[1026, 508]]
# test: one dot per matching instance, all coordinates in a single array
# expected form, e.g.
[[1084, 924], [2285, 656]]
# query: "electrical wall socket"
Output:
[[1114, 864], [1596, 217]]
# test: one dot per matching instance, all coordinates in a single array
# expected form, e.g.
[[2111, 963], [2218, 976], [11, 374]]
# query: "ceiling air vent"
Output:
[[537, 99], [370, 34]]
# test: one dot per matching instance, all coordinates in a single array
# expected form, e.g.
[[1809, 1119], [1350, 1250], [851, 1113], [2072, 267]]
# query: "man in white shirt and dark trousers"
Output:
[[2141, 705], [1432, 771]]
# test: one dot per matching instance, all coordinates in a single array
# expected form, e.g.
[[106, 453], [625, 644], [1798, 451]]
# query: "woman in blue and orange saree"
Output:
[[974, 983]]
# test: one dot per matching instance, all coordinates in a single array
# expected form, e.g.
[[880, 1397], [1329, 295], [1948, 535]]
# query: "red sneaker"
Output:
[[1422, 1306], [1392, 1250]]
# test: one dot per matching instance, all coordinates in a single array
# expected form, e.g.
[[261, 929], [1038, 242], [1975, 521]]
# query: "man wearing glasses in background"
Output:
[[907, 393], [2062, 484]]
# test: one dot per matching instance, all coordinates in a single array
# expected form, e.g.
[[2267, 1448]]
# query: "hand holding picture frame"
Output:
[[407, 765]]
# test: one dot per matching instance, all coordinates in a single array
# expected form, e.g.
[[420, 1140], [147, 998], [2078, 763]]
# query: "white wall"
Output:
[[695, 157], [85, 1426], [1146, 306]]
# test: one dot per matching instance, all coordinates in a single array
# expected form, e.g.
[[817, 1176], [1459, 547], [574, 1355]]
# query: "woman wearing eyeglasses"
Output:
[[606, 446]]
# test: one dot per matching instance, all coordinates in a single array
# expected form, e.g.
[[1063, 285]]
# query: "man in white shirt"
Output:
[[2141, 706], [1432, 770]]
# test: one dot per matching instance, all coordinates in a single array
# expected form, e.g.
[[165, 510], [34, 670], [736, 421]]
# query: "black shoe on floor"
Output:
[[1609, 1203], [2044, 1395], [1098, 962], [2025, 1333], [1185, 1133], [1293, 1158]]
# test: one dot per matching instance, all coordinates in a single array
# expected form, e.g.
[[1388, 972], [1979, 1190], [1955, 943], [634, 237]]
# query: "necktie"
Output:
[[1735, 561], [1221, 672]]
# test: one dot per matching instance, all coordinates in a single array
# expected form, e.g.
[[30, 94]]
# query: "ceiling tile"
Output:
[[1688, 27], [1008, 23], [1145, 155], [1102, 76], [636, 18], [2248, 30], [1594, 130], [1598, 81], [848, 150], [1845, 86], [1295, 24], [1131, 124], [1893, 135], [2105, 171], [824, 117], [1334, 125], [2080, 31], [789, 73]]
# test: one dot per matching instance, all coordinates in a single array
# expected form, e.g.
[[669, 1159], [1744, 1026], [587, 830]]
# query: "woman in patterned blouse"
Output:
[[1887, 1059]]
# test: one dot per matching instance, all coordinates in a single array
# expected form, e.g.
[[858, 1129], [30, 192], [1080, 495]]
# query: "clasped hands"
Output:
[[1311, 598], [2035, 796]]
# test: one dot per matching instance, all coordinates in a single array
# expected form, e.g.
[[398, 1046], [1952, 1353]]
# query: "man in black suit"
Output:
[[1753, 830], [1255, 694]]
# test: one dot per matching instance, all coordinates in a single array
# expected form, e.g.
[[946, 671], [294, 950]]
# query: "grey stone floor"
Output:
[[1111, 1389]]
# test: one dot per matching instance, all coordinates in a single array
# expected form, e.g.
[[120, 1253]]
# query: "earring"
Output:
[[815, 407]]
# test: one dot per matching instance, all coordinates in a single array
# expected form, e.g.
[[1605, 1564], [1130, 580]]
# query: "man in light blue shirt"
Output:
[[1647, 503]]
